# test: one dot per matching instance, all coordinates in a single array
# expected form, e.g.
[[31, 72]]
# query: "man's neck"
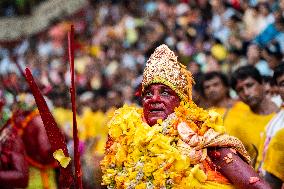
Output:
[[265, 107], [224, 103]]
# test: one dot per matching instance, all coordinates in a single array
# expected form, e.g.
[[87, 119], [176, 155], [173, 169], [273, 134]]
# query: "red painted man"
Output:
[[24, 133], [13, 166], [38, 150], [186, 146]]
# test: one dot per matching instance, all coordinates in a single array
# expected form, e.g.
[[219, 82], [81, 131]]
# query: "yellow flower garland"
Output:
[[141, 156]]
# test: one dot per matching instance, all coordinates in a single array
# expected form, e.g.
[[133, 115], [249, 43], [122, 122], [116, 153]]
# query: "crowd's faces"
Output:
[[250, 91], [253, 54], [280, 84], [158, 102], [281, 4], [100, 104], [263, 10], [194, 68], [268, 90], [214, 89]]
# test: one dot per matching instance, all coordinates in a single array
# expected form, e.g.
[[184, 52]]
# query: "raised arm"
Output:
[[241, 174]]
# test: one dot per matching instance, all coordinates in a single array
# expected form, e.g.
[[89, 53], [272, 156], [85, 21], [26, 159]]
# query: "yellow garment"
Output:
[[274, 160], [95, 127], [36, 180], [223, 110], [214, 185], [64, 119], [94, 123], [242, 123], [100, 148], [219, 110]]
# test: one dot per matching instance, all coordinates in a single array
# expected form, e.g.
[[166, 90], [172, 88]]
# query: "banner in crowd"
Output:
[[15, 28]]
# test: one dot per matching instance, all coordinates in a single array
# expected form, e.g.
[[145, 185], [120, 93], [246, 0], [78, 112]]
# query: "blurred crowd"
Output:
[[113, 40], [17, 8]]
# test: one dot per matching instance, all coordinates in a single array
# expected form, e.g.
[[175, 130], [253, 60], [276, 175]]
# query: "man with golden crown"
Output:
[[170, 142]]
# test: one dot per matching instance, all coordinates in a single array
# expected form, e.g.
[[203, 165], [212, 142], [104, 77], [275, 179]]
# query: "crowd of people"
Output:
[[17, 8], [234, 50]]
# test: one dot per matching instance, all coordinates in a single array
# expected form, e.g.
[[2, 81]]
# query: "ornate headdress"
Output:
[[163, 67]]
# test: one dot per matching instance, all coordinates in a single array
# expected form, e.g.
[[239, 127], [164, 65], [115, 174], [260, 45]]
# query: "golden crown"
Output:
[[163, 67]]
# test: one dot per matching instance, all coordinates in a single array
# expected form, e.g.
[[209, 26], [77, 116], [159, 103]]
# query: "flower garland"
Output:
[[140, 156]]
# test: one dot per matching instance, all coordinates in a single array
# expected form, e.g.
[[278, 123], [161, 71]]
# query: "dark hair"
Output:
[[243, 73], [210, 75], [266, 79], [265, 4], [278, 71], [197, 86]]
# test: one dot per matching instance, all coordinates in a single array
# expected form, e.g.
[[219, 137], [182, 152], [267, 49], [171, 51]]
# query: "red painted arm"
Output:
[[18, 174], [241, 174], [17, 177]]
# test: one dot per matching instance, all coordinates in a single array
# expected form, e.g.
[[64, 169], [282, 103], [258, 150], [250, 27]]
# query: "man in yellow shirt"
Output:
[[215, 88], [273, 145], [247, 119]]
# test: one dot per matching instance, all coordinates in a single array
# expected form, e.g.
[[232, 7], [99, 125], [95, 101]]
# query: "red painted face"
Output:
[[158, 101]]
